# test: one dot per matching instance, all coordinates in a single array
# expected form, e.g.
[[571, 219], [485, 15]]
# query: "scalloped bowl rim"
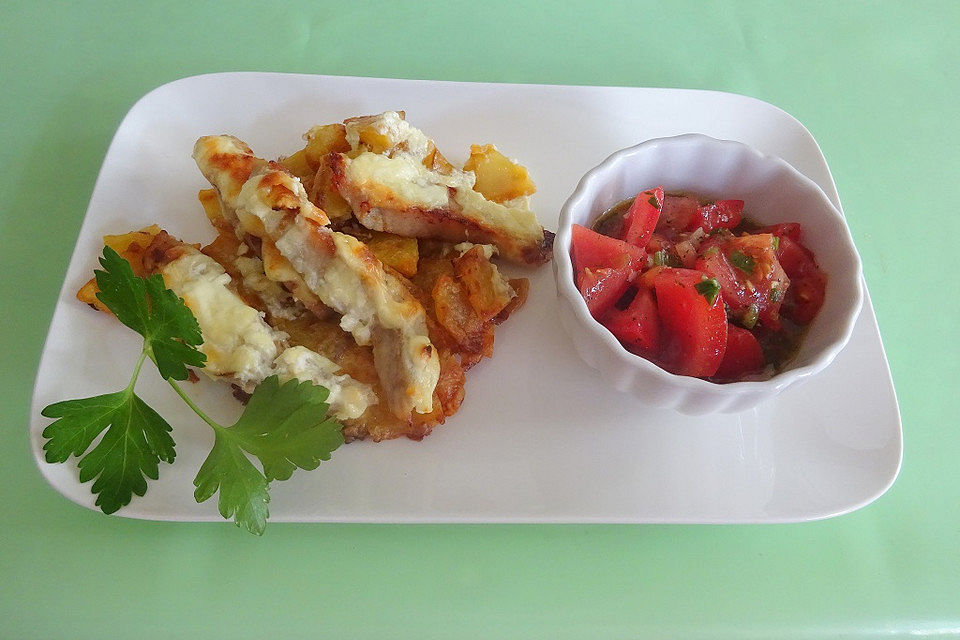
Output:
[[772, 386]]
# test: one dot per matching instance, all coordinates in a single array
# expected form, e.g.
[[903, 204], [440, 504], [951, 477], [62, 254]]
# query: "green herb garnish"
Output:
[[743, 262], [284, 426], [750, 316], [776, 294], [136, 438], [654, 202], [776, 243], [709, 289], [135, 442], [664, 258]]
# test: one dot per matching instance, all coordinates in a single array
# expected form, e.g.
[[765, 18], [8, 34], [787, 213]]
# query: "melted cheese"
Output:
[[400, 182], [242, 347], [519, 223], [488, 250], [348, 398], [399, 133], [236, 339]]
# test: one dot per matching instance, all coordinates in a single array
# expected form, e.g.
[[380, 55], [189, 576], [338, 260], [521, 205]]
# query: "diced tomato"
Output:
[[808, 284], [694, 330], [713, 262], [750, 276], [743, 355], [805, 297], [683, 214], [593, 250], [637, 326], [641, 219], [678, 214], [722, 214], [601, 288], [658, 242], [785, 229], [795, 258], [649, 277], [689, 287]]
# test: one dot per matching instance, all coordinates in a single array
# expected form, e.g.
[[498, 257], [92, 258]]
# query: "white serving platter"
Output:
[[538, 438]]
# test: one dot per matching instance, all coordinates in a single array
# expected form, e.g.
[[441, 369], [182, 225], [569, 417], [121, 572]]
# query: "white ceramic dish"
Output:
[[539, 438], [773, 192]]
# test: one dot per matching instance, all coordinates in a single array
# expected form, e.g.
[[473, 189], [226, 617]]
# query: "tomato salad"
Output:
[[695, 287]]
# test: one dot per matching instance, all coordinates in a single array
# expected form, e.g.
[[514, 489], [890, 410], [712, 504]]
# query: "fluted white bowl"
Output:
[[773, 192]]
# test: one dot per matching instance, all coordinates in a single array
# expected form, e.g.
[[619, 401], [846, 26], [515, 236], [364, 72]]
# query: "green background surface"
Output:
[[877, 85]]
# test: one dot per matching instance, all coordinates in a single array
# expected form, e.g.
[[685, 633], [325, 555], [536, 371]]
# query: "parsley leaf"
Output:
[[136, 440], [285, 427], [170, 331], [244, 491]]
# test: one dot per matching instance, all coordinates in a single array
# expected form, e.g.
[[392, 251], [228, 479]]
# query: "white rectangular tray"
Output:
[[538, 438]]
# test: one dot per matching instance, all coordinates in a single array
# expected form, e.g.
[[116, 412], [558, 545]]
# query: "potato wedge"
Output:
[[498, 177], [131, 247]]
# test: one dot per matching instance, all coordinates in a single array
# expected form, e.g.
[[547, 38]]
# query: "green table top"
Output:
[[876, 84]]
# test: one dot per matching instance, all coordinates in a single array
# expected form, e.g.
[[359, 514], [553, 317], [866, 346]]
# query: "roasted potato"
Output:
[[488, 291], [498, 177], [131, 247]]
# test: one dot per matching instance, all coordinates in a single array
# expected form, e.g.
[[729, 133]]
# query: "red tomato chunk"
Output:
[[685, 213], [694, 329], [641, 219], [750, 276], [593, 250], [601, 288], [638, 325], [804, 299], [743, 355]]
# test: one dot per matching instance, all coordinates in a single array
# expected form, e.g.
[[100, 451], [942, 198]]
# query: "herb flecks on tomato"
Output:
[[802, 301], [637, 326], [751, 278], [694, 328], [641, 218], [601, 288], [593, 250], [722, 214]]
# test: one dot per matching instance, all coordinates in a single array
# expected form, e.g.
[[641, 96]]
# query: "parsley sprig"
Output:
[[285, 427]]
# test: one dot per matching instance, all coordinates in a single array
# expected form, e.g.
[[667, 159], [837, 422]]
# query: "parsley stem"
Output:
[[216, 426], [136, 372]]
